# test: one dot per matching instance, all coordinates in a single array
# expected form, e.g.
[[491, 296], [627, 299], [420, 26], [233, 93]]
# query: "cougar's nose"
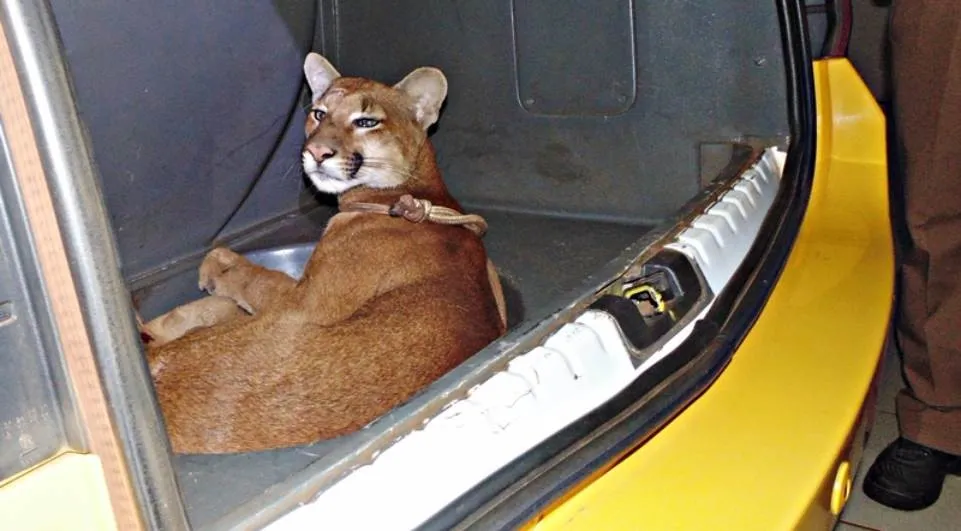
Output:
[[321, 153]]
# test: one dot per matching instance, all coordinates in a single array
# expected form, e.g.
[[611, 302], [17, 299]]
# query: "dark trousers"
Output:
[[926, 63]]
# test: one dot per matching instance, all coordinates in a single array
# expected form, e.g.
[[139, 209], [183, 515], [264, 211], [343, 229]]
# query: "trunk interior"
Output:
[[573, 127]]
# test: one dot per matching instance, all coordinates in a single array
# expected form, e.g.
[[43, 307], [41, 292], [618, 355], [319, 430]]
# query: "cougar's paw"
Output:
[[145, 335], [217, 262]]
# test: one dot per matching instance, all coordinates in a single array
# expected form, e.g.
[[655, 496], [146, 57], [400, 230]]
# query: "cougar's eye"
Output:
[[318, 114], [366, 123]]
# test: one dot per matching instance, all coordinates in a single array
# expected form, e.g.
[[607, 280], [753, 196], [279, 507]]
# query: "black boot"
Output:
[[909, 476]]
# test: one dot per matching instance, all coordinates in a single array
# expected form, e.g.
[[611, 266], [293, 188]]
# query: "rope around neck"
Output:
[[419, 210]]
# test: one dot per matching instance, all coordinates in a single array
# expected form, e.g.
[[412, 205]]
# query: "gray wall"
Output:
[[185, 103], [582, 109]]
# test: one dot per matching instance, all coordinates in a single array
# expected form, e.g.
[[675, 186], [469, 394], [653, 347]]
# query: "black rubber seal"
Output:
[[530, 483]]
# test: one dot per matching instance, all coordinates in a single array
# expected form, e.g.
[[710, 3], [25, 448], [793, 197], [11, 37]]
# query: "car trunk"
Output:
[[574, 128]]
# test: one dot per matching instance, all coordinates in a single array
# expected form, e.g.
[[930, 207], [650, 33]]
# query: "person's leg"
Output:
[[926, 61]]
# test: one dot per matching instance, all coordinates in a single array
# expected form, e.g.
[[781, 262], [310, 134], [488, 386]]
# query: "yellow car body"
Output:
[[774, 443]]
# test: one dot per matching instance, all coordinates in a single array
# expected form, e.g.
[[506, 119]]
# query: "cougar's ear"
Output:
[[320, 74], [427, 87]]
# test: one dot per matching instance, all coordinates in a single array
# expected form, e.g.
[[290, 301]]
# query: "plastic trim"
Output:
[[530, 484]]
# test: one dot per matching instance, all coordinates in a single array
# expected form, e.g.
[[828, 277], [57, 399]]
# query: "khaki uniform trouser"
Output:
[[926, 63]]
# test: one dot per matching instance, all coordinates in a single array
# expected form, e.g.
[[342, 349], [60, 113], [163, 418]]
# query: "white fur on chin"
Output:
[[327, 181], [323, 181], [329, 185]]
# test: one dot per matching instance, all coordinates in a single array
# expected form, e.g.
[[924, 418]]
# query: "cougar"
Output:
[[397, 292]]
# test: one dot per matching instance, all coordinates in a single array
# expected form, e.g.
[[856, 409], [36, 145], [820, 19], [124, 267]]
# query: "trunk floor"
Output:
[[541, 259]]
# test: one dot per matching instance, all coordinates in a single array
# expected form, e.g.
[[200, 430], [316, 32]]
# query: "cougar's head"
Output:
[[364, 133]]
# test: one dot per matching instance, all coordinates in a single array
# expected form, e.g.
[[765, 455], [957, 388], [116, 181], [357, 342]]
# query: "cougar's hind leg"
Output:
[[228, 274], [321, 381], [180, 321]]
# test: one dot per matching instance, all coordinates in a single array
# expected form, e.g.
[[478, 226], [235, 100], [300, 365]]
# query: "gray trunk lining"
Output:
[[541, 259]]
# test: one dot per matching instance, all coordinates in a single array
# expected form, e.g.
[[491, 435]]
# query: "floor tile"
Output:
[[844, 526], [862, 511]]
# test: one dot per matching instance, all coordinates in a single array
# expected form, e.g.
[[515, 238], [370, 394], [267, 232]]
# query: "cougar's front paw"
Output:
[[217, 262], [226, 273]]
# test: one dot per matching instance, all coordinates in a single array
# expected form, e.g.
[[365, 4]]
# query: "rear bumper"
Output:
[[773, 443]]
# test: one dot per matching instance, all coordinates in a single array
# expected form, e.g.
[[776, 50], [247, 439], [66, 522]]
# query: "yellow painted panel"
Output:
[[761, 448], [67, 493]]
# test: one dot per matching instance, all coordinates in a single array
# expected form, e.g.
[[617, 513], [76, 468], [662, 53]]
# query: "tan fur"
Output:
[[384, 308], [189, 317]]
